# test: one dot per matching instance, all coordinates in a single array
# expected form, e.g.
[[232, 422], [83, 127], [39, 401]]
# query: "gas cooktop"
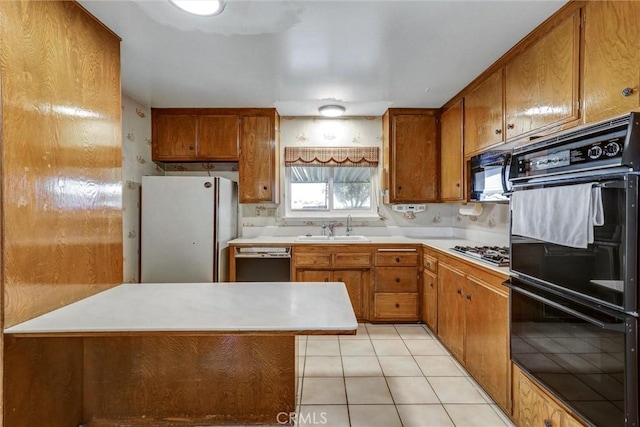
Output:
[[495, 255]]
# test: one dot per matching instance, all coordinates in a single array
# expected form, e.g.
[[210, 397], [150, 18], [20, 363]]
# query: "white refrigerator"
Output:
[[186, 225]]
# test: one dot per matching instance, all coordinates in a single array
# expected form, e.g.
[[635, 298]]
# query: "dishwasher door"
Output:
[[263, 264]]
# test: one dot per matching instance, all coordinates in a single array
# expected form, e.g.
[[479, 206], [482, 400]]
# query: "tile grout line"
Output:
[[344, 380]]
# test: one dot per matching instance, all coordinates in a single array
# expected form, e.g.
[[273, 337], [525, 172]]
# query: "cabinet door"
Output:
[[257, 165], [541, 83], [314, 276], [218, 137], [396, 279], [535, 409], [396, 306], [451, 159], [483, 115], [354, 280], [174, 137], [486, 351], [611, 59], [430, 300], [414, 158], [451, 283]]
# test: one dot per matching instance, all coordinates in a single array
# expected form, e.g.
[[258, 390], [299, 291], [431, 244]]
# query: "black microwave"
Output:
[[490, 177]]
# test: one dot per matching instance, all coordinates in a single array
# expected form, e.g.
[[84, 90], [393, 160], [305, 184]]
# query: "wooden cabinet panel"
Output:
[[451, 157], [257, 163], [400, 279], [451, 283], [392, 306], [396, 258], [534, 408], [611, 59], [218, 137], [410, 146], [541, 83], [483, 109], [312, 260], [352, 260], [354, 280], [430, 263], [314, 276], [430, 300], [486, 347], [174, 137]]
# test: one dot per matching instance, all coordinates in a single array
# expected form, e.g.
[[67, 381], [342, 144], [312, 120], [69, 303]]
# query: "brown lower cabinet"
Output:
[[354, 280], [533, 407]]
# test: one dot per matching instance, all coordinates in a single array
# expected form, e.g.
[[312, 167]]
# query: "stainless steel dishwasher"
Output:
[[263, 263]]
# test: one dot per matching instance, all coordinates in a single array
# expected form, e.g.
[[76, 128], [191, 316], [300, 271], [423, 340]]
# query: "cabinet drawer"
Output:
[[430, 263], [401, 279], [396, 306], [312, 260], [397, 258], [352, 260]]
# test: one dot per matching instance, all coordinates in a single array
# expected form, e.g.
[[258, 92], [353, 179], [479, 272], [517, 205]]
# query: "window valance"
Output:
[[331, 156]]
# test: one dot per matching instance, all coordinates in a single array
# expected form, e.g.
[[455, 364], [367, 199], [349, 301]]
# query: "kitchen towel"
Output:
[[563, 215]]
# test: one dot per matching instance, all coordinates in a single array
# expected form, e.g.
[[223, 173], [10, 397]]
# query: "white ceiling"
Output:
[[298, 55]]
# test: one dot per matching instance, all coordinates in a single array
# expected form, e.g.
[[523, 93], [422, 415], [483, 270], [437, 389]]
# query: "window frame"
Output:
[[331, 212]]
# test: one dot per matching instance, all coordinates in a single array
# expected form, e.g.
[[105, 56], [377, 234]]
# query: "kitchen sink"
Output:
[[310, 238]]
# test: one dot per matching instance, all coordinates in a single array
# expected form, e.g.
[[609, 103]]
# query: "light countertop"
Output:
[[442, 244], [202, 308]]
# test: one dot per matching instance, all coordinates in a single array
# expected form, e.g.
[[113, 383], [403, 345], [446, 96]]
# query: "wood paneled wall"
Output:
[[61, 156]]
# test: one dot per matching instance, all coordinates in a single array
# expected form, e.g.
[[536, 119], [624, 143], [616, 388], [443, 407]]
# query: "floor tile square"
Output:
[[323, 348], [424, 416], [382, 332], [323, 415], [374, 416], [399, 366], [361, 366], [357, 348], [390, 348], [505, 419], [439, 366], [455, 390], [474, 416], [323, 391], [323, 366], [368, 391], [413, 332], [410, 390], [425, 348]]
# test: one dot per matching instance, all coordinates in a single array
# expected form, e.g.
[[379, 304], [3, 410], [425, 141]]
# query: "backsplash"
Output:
[[136, 162]]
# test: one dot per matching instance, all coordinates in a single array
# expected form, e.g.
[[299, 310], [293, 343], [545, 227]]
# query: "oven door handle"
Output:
[[610, 326]]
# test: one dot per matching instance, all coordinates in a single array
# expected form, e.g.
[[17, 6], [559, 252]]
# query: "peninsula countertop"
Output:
[[201, 309]]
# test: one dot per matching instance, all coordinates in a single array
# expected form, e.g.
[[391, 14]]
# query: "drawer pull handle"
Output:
[[498, 131], [429, 265], [547, 423], [468, 296], [397, 280], [397, 305], [431, 285], [510, 126], [264, 187], [459, 291], [397, 259], [627, 91]]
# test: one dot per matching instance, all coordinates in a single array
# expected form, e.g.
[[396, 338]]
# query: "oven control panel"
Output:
[[569, 157]]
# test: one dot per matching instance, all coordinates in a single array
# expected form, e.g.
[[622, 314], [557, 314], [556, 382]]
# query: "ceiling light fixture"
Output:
[[332, 110], [201, 7]]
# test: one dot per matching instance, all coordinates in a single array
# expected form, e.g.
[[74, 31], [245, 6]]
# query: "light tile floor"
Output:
[[388, 376]]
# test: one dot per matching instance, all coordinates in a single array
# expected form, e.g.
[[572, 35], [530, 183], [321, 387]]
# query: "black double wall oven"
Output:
[[574, 306]]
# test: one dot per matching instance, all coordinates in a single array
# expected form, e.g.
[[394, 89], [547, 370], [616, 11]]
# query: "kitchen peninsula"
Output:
[[170, 354]]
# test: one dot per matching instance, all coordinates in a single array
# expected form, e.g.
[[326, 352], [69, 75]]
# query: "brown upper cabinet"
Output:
[[542, 81], [451, 159], [186, 135], [410, 145], [611, 59], [483, 111]]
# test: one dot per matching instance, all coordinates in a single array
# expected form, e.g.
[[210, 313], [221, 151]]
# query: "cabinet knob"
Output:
[[459, 291], [510, 126], [397, 259], [547, 423], [264, 187], [627, 91], [191, 147], [468, 296], [498, 131], [397, 280], [429, 265], [397, 305], [431, 284], [458, 184], [399, 187]]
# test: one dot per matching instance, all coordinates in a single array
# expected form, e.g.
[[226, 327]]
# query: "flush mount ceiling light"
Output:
[[201, 7], [332, 110]]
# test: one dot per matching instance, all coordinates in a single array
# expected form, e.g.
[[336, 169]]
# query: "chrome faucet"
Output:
[[349, 227]]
